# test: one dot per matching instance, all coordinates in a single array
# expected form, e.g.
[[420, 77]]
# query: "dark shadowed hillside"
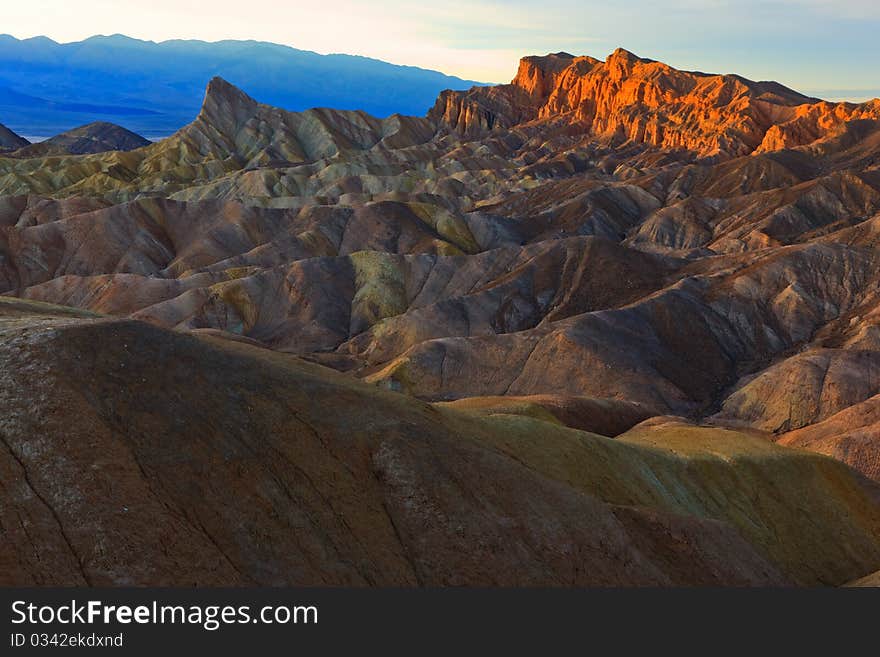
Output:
[[9, 141], [97, 137]]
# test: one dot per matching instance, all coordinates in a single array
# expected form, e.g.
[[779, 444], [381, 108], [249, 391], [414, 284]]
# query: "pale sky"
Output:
[[824, 47]]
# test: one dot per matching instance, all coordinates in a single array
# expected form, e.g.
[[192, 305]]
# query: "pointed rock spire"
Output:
[[624, 55], [224, 102]]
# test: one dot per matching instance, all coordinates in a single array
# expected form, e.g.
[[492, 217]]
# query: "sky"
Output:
[[827, 48]]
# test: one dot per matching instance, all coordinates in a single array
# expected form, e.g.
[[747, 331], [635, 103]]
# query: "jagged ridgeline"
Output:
[[602, 325]]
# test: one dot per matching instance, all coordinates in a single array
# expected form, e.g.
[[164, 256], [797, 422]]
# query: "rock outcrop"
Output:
[[628, 99]]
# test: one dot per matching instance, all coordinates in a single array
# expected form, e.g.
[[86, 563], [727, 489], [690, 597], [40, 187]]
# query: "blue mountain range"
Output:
[[155, 88]]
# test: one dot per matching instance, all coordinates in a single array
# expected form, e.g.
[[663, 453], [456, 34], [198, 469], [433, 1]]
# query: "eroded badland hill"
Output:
[[610, 324]]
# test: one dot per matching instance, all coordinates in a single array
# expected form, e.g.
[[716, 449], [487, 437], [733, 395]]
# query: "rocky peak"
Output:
[[219, 90], [621, 62], [624, 57], [538, 75], [224, 101]]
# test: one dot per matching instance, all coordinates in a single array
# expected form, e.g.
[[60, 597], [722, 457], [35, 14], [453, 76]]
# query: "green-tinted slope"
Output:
[[783, 501]]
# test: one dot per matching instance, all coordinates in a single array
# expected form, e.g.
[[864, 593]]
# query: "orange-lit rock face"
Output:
[[629, 99], [812, 122], [539, 76]]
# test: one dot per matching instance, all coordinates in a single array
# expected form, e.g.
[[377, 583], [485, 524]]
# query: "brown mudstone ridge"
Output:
[[612, 323]]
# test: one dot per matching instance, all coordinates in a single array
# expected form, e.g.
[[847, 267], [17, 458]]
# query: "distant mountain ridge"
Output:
[[156, 88]]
